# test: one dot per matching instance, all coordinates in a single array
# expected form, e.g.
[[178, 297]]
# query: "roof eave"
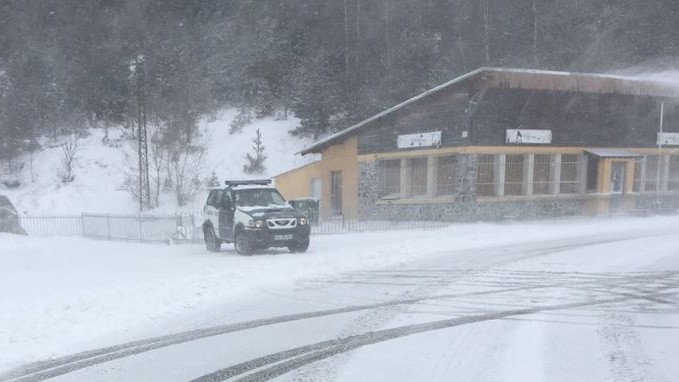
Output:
[[323, 143]]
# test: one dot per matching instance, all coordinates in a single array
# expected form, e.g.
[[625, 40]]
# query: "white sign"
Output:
[[419, 140], [529, 136], [668, 139]]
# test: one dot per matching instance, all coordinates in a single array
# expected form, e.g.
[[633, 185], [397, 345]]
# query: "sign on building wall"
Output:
[[529, 136], [668, 139], [419, 140]]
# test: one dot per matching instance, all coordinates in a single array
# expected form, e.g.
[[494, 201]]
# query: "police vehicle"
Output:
[[253, 215]]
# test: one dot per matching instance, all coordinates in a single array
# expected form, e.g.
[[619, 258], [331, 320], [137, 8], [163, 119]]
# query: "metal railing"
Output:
[[341, 225], [183, 227], [143, 228]]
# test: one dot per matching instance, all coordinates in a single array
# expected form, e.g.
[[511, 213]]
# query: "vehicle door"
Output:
[[226, 212], [211, 209]]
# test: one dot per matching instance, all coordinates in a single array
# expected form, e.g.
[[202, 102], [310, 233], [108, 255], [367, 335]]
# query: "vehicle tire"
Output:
[[299, 246], [211, 242], [243, 245]]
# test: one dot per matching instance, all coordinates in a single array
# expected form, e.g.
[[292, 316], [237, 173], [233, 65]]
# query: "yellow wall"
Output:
[[472, 150], [338, 157], [604, 184], [342, 157], [296, 183]]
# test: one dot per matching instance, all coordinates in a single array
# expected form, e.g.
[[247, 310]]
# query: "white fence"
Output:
[[178, 227]]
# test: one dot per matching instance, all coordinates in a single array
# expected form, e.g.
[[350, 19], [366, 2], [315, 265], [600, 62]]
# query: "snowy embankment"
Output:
[[61, 295], [100, 167]]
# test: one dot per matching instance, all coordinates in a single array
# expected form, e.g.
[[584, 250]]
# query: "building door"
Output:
[[617, 185], [336, 193]]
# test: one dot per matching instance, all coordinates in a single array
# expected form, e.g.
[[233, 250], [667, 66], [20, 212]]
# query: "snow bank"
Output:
[[99, 167], [62, 295]]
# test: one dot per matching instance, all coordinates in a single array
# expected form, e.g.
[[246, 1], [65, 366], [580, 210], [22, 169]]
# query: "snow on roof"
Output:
[[623, 84], [357, 126]]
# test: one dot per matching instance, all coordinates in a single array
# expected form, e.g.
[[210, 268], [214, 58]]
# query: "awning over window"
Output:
[[612, 153]]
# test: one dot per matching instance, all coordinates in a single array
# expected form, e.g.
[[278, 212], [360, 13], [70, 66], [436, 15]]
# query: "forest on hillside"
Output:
[[67, 65]]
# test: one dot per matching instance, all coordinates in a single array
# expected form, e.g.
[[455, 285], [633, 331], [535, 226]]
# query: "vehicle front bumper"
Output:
[[265, 237]]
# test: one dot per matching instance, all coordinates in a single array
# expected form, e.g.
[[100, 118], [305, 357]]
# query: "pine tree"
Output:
[[255, 163]]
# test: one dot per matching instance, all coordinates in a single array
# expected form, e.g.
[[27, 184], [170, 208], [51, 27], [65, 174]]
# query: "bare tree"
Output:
[[69, 150], [187, 166], [535, 33], [486, 29]]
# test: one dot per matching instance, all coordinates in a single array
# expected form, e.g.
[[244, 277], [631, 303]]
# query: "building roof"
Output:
[[524, 79]]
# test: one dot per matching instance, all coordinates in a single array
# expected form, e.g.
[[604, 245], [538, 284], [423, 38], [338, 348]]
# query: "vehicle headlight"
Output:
[[303, 221], [256, 223]]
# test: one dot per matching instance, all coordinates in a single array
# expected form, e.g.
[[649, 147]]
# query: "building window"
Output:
[[418, 176], [336, 193], [446, 175], [485, 175], [592, 173], [569, 173], [638, 174], [542, 164], [652, 168], [514, 174], [673, 176], [389, 178]]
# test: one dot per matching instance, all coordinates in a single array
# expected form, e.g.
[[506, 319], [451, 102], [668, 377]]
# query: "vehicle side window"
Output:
[[225, 198], [211, 198]]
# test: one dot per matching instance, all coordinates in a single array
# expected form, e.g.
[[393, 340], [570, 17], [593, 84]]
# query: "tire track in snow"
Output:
[[48, 370], [624, 353], [299, 357], [40, 371]]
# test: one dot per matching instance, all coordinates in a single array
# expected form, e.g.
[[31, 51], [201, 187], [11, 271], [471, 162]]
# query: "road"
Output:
[[602, 307]]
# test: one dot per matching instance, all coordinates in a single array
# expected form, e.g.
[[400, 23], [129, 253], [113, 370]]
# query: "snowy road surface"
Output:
[[578, 301]]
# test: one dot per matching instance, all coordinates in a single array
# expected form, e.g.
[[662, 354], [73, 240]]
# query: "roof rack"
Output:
[[259, 182]]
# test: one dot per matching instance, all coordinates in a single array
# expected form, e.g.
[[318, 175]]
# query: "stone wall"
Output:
[[463, 206]]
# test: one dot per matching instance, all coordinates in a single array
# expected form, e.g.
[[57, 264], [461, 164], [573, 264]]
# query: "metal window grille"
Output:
[[651, 172], [446, 175], [638, 171], [514, 174], [485, 174], [418, 176], [542, 164], [336, 193], [673, 176], [569, 173], [389, 177]]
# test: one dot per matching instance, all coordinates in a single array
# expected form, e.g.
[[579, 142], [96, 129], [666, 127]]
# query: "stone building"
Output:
[[498, 143]]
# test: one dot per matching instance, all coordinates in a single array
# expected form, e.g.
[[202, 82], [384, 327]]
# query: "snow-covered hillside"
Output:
[[99, 168]]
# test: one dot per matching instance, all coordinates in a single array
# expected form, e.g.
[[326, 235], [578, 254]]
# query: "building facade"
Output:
[[499, 143]]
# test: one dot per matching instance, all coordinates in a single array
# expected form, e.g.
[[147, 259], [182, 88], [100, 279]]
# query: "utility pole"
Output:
[[142, 136]]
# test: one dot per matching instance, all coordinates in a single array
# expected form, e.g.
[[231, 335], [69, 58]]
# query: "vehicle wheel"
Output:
[[299, 246], [211, 242], [243, 245]]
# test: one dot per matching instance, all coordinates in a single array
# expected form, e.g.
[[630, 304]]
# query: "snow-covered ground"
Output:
[[99, 168], [63, 295]]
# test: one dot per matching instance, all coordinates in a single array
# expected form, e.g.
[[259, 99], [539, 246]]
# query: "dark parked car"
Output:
[[9, 217], [308, 206]]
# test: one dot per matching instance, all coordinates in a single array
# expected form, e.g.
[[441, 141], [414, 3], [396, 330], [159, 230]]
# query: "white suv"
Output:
[[253, 215]]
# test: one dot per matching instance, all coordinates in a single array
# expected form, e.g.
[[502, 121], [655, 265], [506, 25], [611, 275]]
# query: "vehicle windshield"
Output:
[[262, 197]]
